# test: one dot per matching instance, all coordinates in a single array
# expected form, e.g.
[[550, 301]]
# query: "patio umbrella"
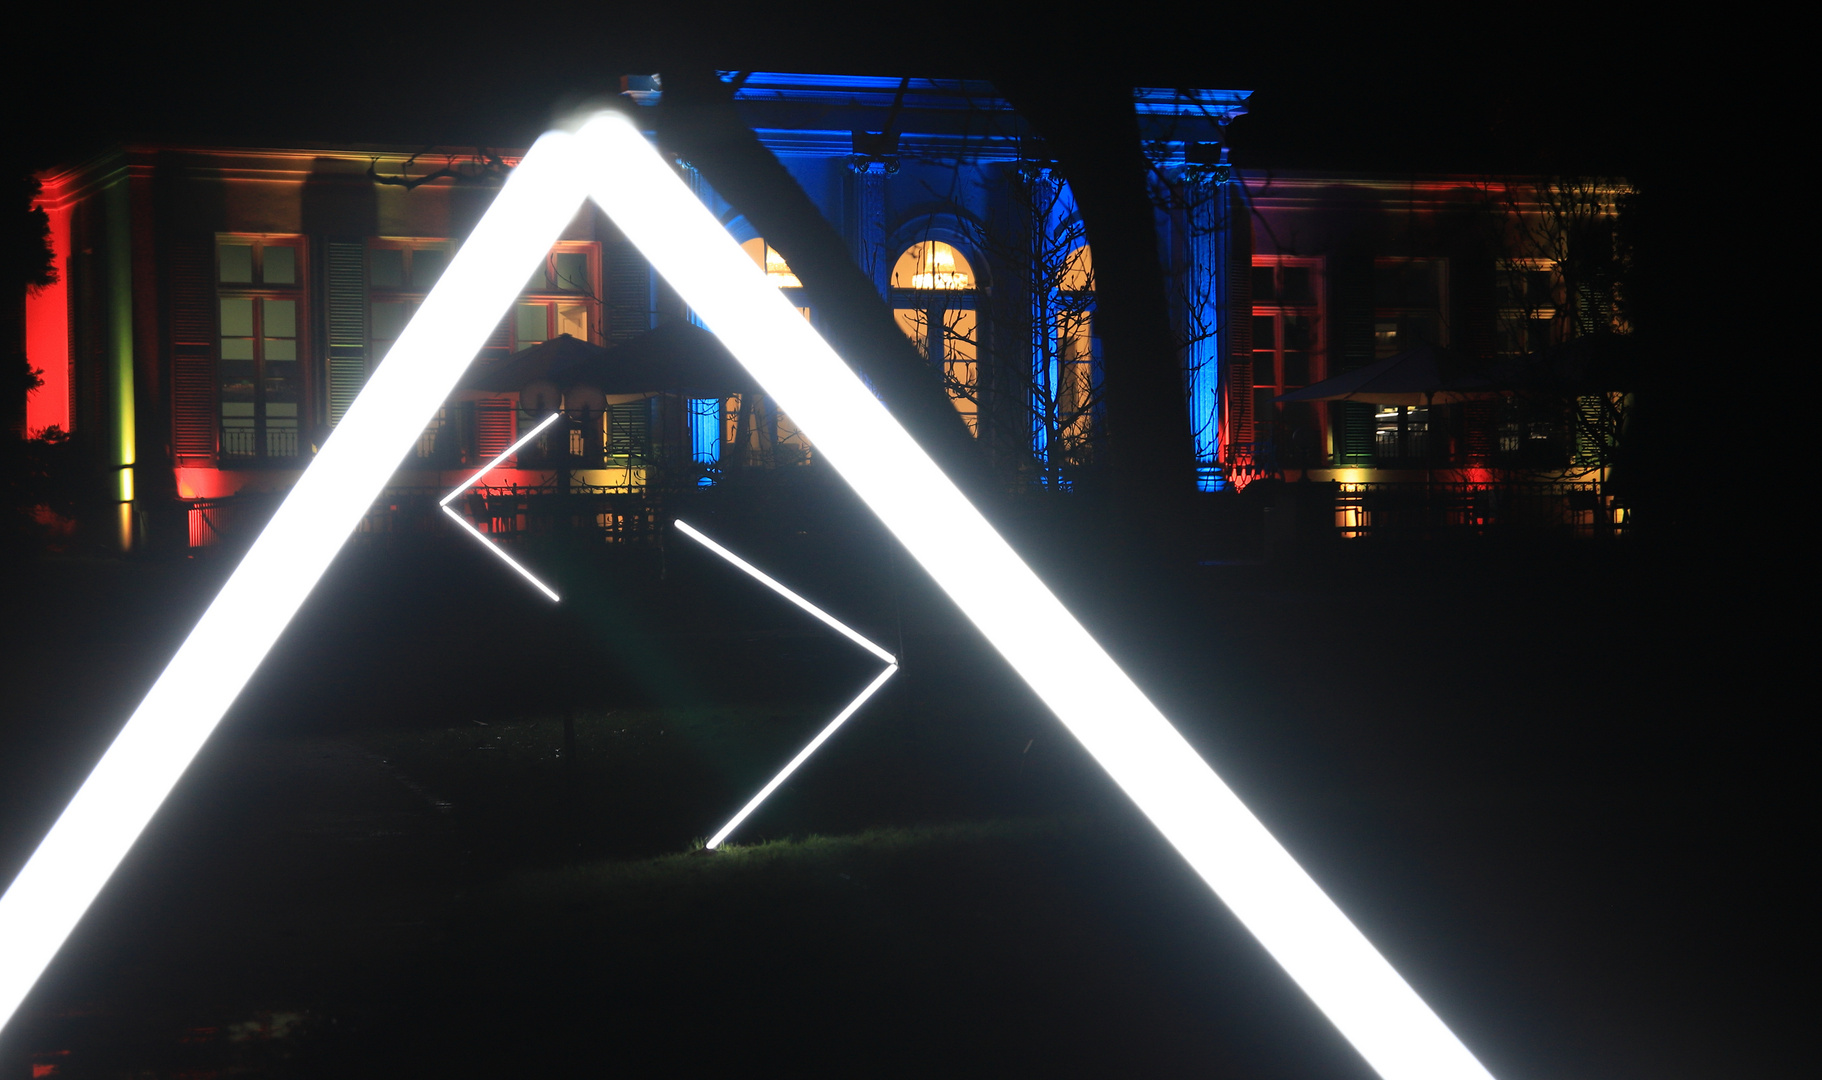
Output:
[[674, 358], [678, 357], [1422, 375], [555, 361], [1419, 376]]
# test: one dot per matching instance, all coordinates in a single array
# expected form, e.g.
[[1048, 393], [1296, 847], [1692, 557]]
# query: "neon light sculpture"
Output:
[[607, 158], [841, 718], [478, 534]]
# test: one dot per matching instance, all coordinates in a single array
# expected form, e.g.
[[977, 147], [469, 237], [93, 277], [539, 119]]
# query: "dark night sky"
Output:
[[1436, 93]]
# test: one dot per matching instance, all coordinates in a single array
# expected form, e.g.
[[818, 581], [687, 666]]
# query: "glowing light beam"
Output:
[[483, 537], [840, 627], [76, 858], [1278, 902], [760, 576], [504, 454], [803, 755]]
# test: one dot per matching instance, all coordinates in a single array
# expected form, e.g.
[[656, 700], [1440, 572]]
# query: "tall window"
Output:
[[1529, 294], [260, 368], [1075, 384], [933, 295], [1410, 299], [1287, 355], [758, 426], [399, 274]]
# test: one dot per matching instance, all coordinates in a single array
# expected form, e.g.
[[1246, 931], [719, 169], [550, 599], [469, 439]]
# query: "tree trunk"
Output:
[[697, 121], [1093, 134]]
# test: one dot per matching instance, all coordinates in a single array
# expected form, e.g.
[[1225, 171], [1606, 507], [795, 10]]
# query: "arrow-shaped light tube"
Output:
[[1327, 956]]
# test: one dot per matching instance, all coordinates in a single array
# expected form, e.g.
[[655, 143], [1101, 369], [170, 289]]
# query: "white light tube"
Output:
[[485, 540], [1278, 902], [803, 755], [501, 552], [760, 576], [843, 628], [75, 859], [504, 454], [1324, 953]]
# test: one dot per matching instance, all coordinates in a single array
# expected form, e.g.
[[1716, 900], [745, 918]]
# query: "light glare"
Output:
[[841, 718], [481, 536], [1277, 901], [1375, 1009], [107, 814]]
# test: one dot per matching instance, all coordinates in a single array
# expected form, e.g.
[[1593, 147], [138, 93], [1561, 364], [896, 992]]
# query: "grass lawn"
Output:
[[392, 862]]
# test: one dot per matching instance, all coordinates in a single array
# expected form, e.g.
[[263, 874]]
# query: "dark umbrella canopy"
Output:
[[678, 357], [1423, 375], [548, 361], [674, 358]]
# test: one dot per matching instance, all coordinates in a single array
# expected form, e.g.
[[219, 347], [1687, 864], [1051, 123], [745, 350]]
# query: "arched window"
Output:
[[1074, 380], [777, 271], [933, 295]]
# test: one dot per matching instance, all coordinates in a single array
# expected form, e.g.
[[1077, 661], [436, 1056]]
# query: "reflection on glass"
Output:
[[427, 264], [531, 324], [572, 271], [281, 318], [386, 268], [280, 265], [236, 262], [236, 317]]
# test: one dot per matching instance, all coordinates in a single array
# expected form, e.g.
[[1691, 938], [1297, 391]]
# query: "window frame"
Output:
[[1526, 314], [259, 291], [932, 306], [407, 293], [1279, 309], [551, 299], [1405, 429]]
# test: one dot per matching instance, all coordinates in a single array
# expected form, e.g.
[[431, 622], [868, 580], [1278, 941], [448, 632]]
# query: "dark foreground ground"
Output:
[[1549, 784]]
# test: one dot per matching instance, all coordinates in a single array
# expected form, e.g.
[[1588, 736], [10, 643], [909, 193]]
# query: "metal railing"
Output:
[[1417, 510]]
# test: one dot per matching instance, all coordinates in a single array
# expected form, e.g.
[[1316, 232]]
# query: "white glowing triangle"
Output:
[[607, 158]]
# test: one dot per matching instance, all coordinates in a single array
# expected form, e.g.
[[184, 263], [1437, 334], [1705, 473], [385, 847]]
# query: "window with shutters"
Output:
[[260, 377], [1288, 355]]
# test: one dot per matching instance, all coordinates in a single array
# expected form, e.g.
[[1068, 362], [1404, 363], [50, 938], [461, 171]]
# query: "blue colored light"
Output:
[[705, 436]]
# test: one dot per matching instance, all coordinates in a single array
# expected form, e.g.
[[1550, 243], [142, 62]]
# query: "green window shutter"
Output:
[[629, 292], [630, 428], [1589, 432], [347, 325], [192, 293], [1353, 425]]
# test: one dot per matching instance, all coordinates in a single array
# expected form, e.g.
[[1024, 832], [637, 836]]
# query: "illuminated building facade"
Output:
[[220, 308]]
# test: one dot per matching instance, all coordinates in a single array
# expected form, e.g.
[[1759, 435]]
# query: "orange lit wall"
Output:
[[47, 327]]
